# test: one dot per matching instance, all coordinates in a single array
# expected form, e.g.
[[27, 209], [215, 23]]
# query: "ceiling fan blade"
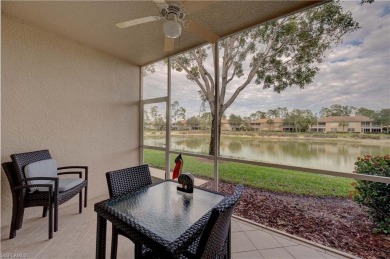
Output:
[[193, 6], [161, 3], [169, 44], [202, 31], [138, 21]]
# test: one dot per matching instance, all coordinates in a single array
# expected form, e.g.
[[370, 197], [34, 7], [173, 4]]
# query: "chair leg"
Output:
[[19, 218], [50, 220], [229, 242], [114, 243], [44, 212], [85, 196], [101, 229], [81, 201], [12, 232], [55, 216]]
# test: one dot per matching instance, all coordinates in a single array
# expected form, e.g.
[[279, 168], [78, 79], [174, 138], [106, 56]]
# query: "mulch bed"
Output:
[[334, 222]]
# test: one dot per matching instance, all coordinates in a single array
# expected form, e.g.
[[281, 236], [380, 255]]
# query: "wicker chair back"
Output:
[[212, 243], [13, 181], [128, 180], [11, 174], [122, 182], [23, 159]]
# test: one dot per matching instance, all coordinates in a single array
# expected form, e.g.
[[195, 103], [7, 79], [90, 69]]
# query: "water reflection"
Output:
[[235, 147], [335, 156]]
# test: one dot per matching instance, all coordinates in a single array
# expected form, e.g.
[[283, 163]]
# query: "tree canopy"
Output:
[[366, 112], [178, 112], [384, 117], [337, 110], [278, 54], [300, 120]]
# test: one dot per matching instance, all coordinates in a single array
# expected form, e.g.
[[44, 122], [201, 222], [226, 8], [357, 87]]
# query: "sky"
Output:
[[355, 73]]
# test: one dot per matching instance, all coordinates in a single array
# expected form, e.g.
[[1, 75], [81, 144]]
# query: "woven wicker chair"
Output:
[[23, 197], [125, 181], [214, 241]]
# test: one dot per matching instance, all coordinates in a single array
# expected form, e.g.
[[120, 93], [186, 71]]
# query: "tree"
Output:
[[193, 122], [154, 112], [281, 53], [282, 112], [343, 124], [205, 120], [157, 119], [178, 113], [273, 113], [366, 1], [246, 121], [147, 120], [367, 112], [337, 110], [202, 108], [270, 122], [235, 121], [300, 119], [258, 115], [384, 118]]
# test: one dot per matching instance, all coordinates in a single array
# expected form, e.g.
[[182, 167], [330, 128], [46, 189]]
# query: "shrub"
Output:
[[376, 196], [369, 136]]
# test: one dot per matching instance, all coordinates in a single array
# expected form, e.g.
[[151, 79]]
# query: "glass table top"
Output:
[[165, 211]]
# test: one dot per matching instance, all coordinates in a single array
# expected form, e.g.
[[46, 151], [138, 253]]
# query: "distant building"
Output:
[[357, 124], [225, 125], [179, 125], [275, 124], [183, 125]]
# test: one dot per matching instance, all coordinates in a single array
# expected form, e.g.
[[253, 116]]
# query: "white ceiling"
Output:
[[93, 23]]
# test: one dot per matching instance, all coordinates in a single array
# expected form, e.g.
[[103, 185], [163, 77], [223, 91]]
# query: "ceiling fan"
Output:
[[174, 16]]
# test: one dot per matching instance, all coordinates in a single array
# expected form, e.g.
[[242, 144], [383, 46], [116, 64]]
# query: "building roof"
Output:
[[275, 120], [345, 119], [93, 22], [181, 122]]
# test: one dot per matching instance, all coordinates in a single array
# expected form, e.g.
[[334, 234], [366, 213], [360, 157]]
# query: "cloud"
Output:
[[355, 73]]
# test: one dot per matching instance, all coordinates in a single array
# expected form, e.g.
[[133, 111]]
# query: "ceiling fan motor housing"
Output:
[[173, 12]]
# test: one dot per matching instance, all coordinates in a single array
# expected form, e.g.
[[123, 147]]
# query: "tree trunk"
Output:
[[212, 137]]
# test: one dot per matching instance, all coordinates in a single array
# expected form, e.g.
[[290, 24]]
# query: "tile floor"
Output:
[[76, 239]]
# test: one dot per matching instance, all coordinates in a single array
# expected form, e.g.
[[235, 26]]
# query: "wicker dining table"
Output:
[[159, 218]]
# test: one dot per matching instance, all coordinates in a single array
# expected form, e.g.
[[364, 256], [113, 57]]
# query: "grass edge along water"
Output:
[[267, 178]]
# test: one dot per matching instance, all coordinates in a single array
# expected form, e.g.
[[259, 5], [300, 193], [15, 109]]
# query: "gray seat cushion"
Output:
[[48, 168], [68, 183], [63, 185], [43, 168]]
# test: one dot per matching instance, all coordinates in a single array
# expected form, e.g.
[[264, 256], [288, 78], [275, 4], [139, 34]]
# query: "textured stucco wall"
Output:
[[80, 103]]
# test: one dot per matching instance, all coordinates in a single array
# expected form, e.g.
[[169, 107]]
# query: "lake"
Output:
[[312, 153]]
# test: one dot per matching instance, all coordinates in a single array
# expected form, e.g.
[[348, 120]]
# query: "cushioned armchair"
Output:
[[35, 180]]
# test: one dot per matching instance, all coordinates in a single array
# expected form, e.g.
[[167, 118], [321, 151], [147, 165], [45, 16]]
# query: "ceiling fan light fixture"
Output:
[[172, 29]]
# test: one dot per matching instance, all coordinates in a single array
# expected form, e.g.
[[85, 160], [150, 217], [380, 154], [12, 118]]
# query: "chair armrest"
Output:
[[79, 173], [74, 167], [17, 188], [54, 179]]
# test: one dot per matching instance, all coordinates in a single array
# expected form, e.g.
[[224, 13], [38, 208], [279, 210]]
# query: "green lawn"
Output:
[[273, 179]]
